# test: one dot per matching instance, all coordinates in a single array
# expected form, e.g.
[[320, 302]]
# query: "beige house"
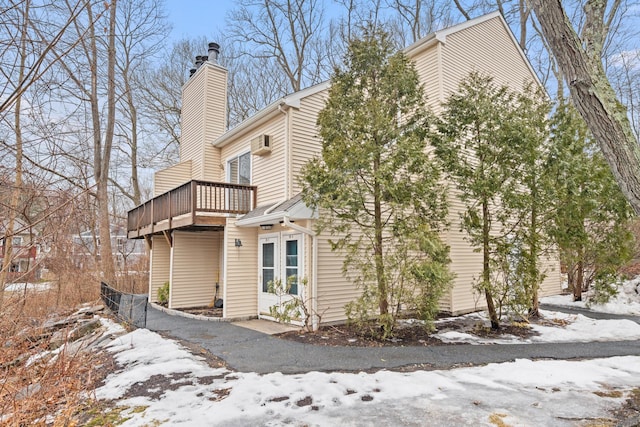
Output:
[[228, 218]]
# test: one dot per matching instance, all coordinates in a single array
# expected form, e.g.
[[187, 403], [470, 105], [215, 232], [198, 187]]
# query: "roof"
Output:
[[441, 36], [293, 100], [293, 208], [270, 111]]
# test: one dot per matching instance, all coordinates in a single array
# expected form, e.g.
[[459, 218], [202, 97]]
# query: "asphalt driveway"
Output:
[[246, 350]]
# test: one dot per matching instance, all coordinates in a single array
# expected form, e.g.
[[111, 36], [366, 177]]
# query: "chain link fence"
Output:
[[130, 308]]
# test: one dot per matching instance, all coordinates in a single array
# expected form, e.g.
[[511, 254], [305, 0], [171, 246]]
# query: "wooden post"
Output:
[[194, 200], [255, 197]]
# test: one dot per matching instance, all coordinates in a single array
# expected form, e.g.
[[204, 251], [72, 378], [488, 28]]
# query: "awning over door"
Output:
[[273, 213]]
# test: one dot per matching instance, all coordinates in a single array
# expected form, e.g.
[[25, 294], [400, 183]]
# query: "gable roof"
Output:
[[441, 37], [270, 111], [294, 99]]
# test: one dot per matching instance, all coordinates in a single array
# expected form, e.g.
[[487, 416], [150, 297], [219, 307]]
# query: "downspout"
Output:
[[314, 269], [286, 162], [287, 130]]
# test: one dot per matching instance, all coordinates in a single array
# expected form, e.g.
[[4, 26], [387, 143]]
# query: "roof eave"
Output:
[[268, 113]]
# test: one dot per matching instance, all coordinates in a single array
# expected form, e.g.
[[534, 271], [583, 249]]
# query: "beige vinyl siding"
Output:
[[267, 171], [241, 287], [195, 269], [487, 48], [334, 290], [213, 170], [171, 177], [204, 114], [160, 263], [429, 67], [305, 142], [465, 263], [552, 284]]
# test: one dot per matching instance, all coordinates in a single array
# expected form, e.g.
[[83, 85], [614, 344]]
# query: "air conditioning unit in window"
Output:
[[261, 145]]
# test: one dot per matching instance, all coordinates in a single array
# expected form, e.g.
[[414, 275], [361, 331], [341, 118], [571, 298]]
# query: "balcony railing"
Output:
[[198, 203]]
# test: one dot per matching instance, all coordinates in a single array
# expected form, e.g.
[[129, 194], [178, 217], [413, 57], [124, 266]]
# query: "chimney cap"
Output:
[[213, 51]]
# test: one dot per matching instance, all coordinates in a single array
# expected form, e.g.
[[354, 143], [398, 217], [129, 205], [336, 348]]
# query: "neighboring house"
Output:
[[126, 252], [228, 218], [25, 252]]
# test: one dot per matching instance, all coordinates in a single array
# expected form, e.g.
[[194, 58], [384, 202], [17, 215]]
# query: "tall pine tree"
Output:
[[527, 201], [590, 225], [473, 144], [378, 192]]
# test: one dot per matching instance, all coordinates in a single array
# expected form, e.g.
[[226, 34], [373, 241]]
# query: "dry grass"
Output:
[[39, 387]]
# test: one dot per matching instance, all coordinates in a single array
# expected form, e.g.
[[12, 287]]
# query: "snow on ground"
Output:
[[21, 287], [626, 302], [521, 393], [578, 328], [162, 382]]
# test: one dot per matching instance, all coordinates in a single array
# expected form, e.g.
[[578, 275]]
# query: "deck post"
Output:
[[194, 200], [255, 197]]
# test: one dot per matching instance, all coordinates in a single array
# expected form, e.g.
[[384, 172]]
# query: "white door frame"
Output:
[[267, 300]]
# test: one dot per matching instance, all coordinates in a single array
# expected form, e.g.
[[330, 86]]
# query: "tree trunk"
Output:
[[15, 192], [534, 310], [133, 112], [577, 286], [486, 267], [593, 96], [102, 153], [383, 302]]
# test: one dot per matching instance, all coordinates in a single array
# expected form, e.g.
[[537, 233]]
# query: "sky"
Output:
[[195, 18], [161, 382]]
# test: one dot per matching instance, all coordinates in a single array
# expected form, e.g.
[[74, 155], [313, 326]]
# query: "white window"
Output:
[[239, 169], [17, 241], [239, 172], [292, 264]]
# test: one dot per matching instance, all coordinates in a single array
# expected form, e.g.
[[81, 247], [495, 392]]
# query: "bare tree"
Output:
[[140, 29], [417, 18], [253, 83], [580, 59], [90, 62], [41, 59], [624, 72], [15, 193], [161, 98], [288, 31]]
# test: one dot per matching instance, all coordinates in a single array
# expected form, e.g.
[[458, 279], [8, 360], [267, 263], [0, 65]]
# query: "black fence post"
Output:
[[130, 308]]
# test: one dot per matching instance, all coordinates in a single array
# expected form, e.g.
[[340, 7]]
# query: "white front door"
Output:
[[269, 262], [280, 271]]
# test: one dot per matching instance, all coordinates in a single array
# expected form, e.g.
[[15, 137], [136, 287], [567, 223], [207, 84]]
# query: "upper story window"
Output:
[[16, 241], [239, 169]]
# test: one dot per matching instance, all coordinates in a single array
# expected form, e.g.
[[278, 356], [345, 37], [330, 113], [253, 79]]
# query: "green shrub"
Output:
[[605, 287], [163, 294]]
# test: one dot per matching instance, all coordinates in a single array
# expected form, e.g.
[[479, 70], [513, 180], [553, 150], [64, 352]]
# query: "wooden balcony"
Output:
[[193, 204]]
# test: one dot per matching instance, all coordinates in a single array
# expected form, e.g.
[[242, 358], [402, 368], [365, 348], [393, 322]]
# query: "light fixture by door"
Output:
[[266, 226], [238, 243]]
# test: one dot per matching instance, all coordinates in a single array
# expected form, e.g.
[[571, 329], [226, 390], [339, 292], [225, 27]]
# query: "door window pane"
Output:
[[291, 267], [267, 276], [267, 254], [268, 265]]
